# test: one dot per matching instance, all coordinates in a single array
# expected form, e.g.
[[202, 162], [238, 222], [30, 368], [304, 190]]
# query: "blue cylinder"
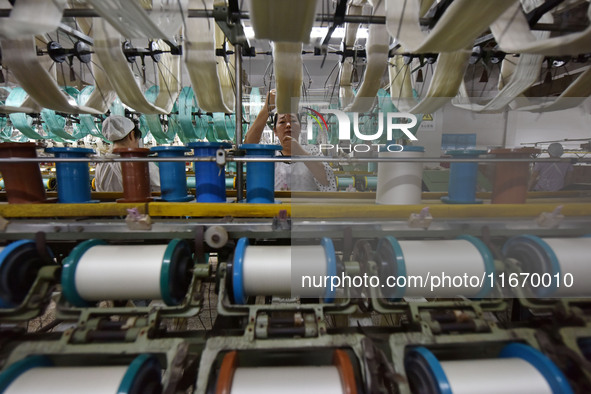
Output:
[[260, 176], [210, 182], [462, 178], [73, 179], [173, 181]]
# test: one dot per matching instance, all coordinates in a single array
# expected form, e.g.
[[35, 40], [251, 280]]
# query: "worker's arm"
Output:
[[321, 171], [255, 131]]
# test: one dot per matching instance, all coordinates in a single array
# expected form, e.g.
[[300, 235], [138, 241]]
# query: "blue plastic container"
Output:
[[462, 178], [260, 176], [73, 178], [210, 181], [173, 181]]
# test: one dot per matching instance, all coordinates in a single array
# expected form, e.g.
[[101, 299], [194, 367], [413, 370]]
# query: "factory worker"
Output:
[[308, 176], [123, 133], [551, 177]]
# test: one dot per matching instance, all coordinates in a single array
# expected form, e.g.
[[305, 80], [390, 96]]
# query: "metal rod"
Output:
[[293, 159], [238, 87]]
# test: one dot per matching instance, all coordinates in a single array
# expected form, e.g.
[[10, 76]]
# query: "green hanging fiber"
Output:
[[210, 132], [256, 104], [175, 127], [117, 107], [54, 125], [22, 121], [231, 126], [191, 126], [152, 121], [219, 123], [5, 128], [87, 122]]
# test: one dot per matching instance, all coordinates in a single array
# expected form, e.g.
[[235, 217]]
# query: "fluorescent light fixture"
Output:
[[317, 32]]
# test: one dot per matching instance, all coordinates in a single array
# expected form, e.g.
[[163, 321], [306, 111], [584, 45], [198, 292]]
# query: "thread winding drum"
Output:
[[518, 369], [37, 374], [556, 260], [278, 270], [338, 378], [95, 271], [404, 260]]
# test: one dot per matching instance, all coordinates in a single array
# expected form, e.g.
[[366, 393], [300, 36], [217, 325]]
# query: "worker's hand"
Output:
[[270, 100], [293, 146]]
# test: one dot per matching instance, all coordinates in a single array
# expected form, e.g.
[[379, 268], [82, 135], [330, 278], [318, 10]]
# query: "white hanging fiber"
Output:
[[202, 63], [575, 94], [287, 65], [458, 27], [31, 17], [377, 48], [282, 20], [132, 20], [103, 94], [346, 94], [447, 78], [522, 76], [513, 35], [107, 46], [401, 84], [20, 57]]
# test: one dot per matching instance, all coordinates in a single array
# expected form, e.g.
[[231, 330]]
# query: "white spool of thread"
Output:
[[37, 374], [459, 260], [400, 183], [554, 259], [327, 379], [95, 271], [278, 270], [519, 369]]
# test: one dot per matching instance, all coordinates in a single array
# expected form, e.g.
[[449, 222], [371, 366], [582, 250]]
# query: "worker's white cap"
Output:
[[116, 127]]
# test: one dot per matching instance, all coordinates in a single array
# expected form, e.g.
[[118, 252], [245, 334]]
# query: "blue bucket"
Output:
[[173, 181], [462, 178], [260, 176], [210, 181], [73, 178]]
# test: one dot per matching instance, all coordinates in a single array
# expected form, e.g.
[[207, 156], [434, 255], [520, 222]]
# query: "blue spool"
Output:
[[19, 264], [143, 372], [238, 269], [535, 254], [73, 179], [260, 176], [427, 375], [554, 376], [15, 370], [210, 183], [173, 181], [174, 277], [462, 178]]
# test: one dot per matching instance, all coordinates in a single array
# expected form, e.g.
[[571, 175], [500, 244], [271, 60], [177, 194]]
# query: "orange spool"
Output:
[[136, 175], [511, 178], [22, 181], [340, 360]]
